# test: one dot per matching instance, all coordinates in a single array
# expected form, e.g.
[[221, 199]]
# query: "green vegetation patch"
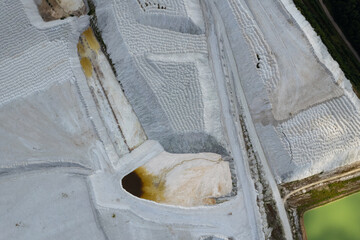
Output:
[[334, 221], [314, 14], [328, 192]]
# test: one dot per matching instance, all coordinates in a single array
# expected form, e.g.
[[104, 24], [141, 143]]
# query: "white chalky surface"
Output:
[[316, 137], [55, 131], [47, 205], [170, 66], [172, 7], [319, 124], [71, 5], [52, 137], [141, 39], [300, 81], [29, 61], [60, 171], [191, 179], [178, 89]]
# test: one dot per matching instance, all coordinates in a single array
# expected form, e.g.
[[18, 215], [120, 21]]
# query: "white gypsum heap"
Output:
[[167, 119]]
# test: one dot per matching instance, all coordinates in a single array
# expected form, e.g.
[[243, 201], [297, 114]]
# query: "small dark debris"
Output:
[[64, 195], [113, 216], [258, 65], [19, 224]]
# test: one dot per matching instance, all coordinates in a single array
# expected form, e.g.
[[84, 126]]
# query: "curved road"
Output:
[[339, 30]]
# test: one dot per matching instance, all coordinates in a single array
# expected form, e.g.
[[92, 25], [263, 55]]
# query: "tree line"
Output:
[[346, 13]]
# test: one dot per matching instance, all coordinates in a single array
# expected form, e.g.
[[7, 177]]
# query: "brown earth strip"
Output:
[[303, 195]]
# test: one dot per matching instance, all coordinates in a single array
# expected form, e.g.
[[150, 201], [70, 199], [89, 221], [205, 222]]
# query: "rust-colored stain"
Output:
[[153, 187], [87, 46], [91, 40], [143, 184], [81, 49], [86, 66]]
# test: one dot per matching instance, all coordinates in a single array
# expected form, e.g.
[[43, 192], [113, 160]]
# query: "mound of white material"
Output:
[[71, 5], [190, 179], [178, 89], [291, 76], [172, 15], [294, 77], [52, 134], [316, 138], [165, 75]]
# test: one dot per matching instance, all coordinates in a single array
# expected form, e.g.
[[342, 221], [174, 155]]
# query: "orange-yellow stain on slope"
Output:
[[87, 44], [153, 187], [91, 40], [86, 66], [81, 49]]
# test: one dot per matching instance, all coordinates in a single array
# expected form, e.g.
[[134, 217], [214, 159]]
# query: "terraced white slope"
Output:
[[318, 47], [49, 121], [43, 122], [22, 43], [336, 121], [167, 78], [322, 131], [48, 143], [180, 16], [141, 39], [54, 137], [302, 79], [170, 70], [284, 58], [163, 7], [178, 89]]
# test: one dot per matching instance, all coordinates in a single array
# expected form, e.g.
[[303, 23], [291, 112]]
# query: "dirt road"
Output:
[[321, 181]]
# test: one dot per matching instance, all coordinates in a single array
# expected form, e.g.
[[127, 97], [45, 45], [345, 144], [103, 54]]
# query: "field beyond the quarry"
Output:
[[335, 220]]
